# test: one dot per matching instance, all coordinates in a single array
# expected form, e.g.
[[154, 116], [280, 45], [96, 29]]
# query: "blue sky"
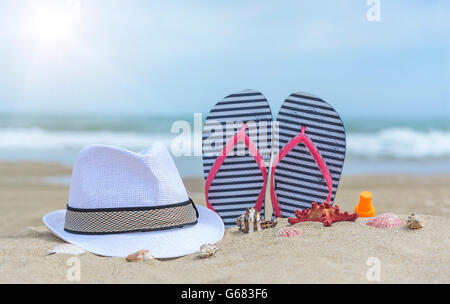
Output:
[[177, 57]]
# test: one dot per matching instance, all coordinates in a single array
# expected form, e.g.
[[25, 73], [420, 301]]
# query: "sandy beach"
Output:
[[337, 254]]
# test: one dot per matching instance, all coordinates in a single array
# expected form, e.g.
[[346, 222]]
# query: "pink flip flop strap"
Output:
[[301, 138], [239, 136]]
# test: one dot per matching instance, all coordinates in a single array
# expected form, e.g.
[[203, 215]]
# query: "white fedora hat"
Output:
[[121, 202]]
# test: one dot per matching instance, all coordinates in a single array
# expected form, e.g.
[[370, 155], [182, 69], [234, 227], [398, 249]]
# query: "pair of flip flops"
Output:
[[304, 148]]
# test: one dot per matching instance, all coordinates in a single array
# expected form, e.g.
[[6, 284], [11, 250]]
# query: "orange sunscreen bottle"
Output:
[[365, 208]]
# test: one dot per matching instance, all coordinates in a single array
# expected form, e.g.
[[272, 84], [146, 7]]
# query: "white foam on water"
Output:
[[400, 143], [39, 139], [389, 143]]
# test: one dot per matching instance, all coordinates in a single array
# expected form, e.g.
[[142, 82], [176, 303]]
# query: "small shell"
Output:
[[288, 232], [414, 221], [66, 249], [240, 222], [142, 255], [385, 220], [251, 221], [207, 250], [268, 224]]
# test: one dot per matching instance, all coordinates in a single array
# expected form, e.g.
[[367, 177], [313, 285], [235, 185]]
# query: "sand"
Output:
[[346, 252]]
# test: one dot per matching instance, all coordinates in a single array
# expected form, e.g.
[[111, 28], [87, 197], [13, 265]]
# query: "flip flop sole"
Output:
[[237, 184], [298, 179]]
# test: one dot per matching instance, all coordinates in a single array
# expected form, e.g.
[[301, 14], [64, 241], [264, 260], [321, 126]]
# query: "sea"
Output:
[[374, 145]]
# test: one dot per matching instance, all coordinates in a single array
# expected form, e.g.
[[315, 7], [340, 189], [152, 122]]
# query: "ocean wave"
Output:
[[390, 143], [39, 139], [400, 143]]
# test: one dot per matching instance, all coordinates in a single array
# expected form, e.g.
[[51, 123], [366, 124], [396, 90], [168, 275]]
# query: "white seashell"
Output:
[[66, 249], [207, 250], [141, 255]]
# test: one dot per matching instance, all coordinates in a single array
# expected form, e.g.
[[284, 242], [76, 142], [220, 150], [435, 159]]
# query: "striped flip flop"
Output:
[[236, 150], [308, 163]]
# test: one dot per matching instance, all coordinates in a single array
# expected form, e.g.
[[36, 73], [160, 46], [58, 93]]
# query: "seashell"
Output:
[[414, 221], [141, 255], [250, 221], [207, 250], [268, 224], [288, 232], [385, 220], [66, 249], [240, 222]]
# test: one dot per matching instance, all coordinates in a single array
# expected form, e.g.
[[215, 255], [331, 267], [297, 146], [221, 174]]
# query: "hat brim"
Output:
[[170, 243]]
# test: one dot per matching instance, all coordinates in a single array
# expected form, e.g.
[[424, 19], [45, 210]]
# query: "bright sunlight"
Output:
[[51, 25]]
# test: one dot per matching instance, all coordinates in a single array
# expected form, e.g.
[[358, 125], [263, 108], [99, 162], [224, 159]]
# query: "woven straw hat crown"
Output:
[[109, 177]]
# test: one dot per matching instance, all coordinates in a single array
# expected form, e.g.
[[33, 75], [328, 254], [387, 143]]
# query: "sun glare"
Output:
[[51, 25]]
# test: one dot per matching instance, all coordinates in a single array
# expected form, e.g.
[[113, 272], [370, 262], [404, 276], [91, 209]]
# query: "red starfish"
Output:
[[324, 213]]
